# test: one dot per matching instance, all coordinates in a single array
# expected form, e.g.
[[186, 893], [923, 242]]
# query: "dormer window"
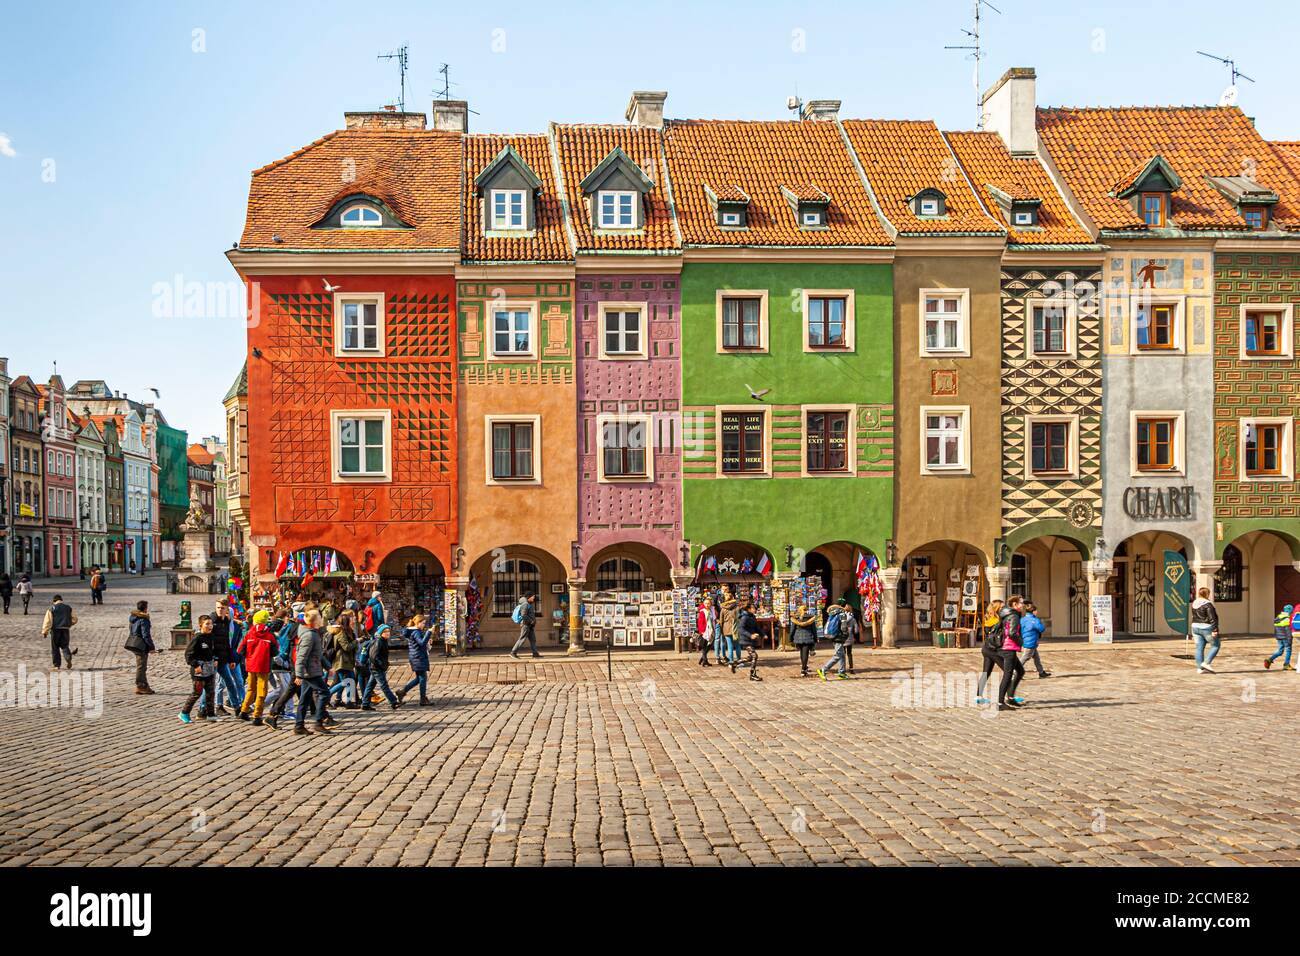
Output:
[[617, 209], [1251, 199], [361, 216], [614, 191], [509, 209], [1256, 217], [929, 203], [813, 217], [1155, 209], [507, 187], [729, 218], [730, 205]]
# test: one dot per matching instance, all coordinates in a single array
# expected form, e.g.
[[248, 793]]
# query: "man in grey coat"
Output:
[[526, 612], [307, 667]]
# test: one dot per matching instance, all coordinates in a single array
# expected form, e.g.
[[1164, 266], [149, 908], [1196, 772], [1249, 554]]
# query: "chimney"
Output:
[[823, 110], [451, 116], [646, 108], [1009, 109], [384, 119]]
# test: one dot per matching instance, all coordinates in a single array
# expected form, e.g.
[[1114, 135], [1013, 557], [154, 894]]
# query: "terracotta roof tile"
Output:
[[1096, 148], [581, 148], [416, 173], [903, 157], [988, 163], [758, 158], [199, 455], [548, 242]]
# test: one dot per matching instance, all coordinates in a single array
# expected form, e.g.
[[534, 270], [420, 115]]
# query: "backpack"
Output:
[[517, 615], [833, 625], [363, 653], [369, 617]]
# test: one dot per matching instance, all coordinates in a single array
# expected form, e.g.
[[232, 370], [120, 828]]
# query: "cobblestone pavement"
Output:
[[1125, 756]]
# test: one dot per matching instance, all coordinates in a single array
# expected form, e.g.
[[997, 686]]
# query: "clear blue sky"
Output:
[[152, 142]]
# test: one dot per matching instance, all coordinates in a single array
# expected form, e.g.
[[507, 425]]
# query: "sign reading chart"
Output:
[[1103, 620]]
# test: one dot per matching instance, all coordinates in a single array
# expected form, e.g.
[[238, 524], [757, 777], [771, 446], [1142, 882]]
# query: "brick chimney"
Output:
[[823, 110], [384, 119], [646, 108], [451, 116], [1009, 108]]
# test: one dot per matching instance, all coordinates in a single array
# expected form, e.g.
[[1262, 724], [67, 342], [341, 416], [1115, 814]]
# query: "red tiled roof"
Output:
[[759, 157], [1097, 148], [988, 163], [199, 455], [548, 242], [415, 172], [581, 148], [903, 157]]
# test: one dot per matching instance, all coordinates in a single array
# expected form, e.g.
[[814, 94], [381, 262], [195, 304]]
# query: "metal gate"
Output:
[[1079, 603], [1145, 587]]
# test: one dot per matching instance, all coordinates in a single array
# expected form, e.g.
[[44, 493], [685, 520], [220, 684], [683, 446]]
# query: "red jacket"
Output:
[[258, 647]]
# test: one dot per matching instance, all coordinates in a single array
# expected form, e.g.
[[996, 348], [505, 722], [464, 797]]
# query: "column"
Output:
[[783, 579], [1203, 573], [575, 616], [1098, 573], [889, 577], [453, 611], [998, 579]]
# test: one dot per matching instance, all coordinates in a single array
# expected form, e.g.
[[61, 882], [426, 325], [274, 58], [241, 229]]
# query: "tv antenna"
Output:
[[445, 92], [977, 54], [795, 105], [1229, 96], [400, 56]]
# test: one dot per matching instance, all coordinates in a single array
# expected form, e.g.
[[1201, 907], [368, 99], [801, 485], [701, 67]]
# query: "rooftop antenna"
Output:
[[1229, 96], [795, 105], [977, 54], [400, 56], [445, 92]]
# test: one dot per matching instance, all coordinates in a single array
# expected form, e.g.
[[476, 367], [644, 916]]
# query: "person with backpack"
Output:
[[377, 660], [345, 684], [257, 647], [839, 628], [139, 641], [1012, 670], [417, 652], [1205, 630], [287, 646], [373, 616], [704, 626], [200, 656], [1282, 634], [309, 669], [851, 624], [989, 655], [227, 685], [803, 624], [525, 615], [58, 627], [96, 585], [748, 636], [1031, 629]]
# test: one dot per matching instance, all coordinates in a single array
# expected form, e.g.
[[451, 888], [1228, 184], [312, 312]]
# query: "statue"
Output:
[[186, 619], [195, 519]]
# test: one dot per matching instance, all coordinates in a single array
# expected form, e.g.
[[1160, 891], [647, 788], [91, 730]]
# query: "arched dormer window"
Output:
[[361, 216]]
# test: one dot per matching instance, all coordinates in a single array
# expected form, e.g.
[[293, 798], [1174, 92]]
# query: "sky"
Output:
[[128, 130]]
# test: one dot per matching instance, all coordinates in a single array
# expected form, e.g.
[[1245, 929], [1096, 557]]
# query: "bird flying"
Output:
[[757, 395]]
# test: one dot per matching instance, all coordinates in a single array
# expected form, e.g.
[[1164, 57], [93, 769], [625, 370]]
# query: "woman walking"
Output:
[[345, 663], [139, 642], [1205, 630], [989, 649], [804, 624], [730, 609], [1013, 671], [25, 590], [705, 624], [417, 652]]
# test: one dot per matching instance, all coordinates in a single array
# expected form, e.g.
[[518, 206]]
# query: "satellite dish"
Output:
[[1229, 96], [792, 102]]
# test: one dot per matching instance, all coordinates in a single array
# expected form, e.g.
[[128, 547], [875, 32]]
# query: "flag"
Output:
[[281, 565], [334, 562], [764, 564], [307, 578], [861, 571], [711, 564]]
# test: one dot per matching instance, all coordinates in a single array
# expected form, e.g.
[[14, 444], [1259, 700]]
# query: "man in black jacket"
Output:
[[58, 625], [378, 663], [224, 658], [749, 635], [140, 643]]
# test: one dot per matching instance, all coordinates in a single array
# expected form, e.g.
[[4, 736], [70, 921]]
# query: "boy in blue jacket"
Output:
[[1283, 631], [1031, 629]]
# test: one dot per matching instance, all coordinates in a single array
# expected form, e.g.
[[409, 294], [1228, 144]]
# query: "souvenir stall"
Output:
[[946, 603], [474, 605], [745, 577], [311, 574], [808, 590], [411, 582], [629, 619], [871, 589]]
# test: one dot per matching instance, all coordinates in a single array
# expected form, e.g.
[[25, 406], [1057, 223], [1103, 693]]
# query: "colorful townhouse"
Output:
[[203, 488], [6, 475], [62, 537], [110, 426], [137, 465], [27, 455], [235, 403], [627, 320], [348, 255], [787, 353], [92, 494], [171, 491]]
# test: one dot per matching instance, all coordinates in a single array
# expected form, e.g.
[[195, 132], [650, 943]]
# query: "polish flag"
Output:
[[282, 565], [764, 564]]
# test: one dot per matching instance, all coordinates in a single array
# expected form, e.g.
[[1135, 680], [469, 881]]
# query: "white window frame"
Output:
[[647, 425], [512, 308], [851, 455], [812, 219], [963, 446], [505, 223], [536, 422], [1286, 452], [731, 219], [850, 322], [1071, 452], [1071, 306], [1287, 331], [337, 475], [363, 208], [963, 323], [1180, 442], [643, 331], [766, 411], [341, 301], [930, 201], [1179, 303], [1022, 214], [617, 196], [761, 295]]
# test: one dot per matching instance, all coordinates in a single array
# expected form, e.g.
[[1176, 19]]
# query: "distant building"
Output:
[[221, 527], [202, 480]]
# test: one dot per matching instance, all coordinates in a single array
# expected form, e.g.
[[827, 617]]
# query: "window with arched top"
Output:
[[619, 574], [362, 216], [512, 580], [1227, 580]]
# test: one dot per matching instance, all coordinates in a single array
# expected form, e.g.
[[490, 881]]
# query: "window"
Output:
[[743, 322], [944, 433], [1154, 440], [826, 442], [1266, 331], [620, 330], [358, 324], [360, 447], [1051, 328], [813, 217], [617, 209], [1256, 217], [620, 574], [827, 319], [1020, 568], [513, 450], [1265, 447], [928, 207], [512, 331], [729, 218], [744, 443], [515, 578], [1228, 579], [1154, 209], [508, 209], [943, 319], [624, 444], [1156, 328], [360, 216], [1024, 217], [1051, 450]]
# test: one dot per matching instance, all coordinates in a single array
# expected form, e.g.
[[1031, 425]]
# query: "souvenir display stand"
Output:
[[963, 599], [631, 619], [405, 596]]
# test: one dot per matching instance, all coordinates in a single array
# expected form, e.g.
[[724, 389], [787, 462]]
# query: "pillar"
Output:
[[889, 578], [453, 609], [1203, 573], [1098, 573], [998, 579], [575, 616]]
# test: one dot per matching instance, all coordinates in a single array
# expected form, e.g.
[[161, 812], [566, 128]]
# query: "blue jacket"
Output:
[[417, 648], [1031, 629], [377, 611]]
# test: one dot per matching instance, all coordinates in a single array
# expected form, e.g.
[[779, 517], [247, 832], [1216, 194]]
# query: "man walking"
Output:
[[839, 630], [139, 642], [96, 585], [525, 615], [311, 673], [58, 625]]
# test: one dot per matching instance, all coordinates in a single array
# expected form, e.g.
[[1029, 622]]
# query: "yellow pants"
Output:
[[255, 692]]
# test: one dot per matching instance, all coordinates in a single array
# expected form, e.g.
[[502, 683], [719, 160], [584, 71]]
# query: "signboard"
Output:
[[1143, 503], [1103, 620], [1178, 591], [26, 511]]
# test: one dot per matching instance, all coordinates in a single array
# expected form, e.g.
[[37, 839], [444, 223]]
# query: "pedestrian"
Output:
[[96, 585], [6, 590], [730, 610], [748, 636], [839, 629], [133, 565], [851, 623], [345, 685], [139, 641], [373, 617], [258, 647], [224, 660], [58, 626], [377, 660], [309, 671], [25, 590], [287, 650], [525, 615], [1205, 630], [417, 652], [989, 655], [200, 655], [1282, 634], [1012, 670], [1031, 629], [804, 627], [704, 627]]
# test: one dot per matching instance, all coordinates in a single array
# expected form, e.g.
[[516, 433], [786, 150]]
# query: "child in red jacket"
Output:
[[258, 647]]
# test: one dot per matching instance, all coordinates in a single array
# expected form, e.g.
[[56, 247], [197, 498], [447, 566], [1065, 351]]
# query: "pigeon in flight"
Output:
[[757, 395], [330, 288]]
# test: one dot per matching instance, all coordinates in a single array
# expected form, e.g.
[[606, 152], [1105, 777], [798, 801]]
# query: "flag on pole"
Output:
[[281, 565], [764, 564], [711, 564]]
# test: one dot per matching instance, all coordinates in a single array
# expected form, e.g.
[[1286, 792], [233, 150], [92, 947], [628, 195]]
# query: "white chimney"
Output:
[[824, 110], [451, 116], [646, 108], [1009, 109]]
